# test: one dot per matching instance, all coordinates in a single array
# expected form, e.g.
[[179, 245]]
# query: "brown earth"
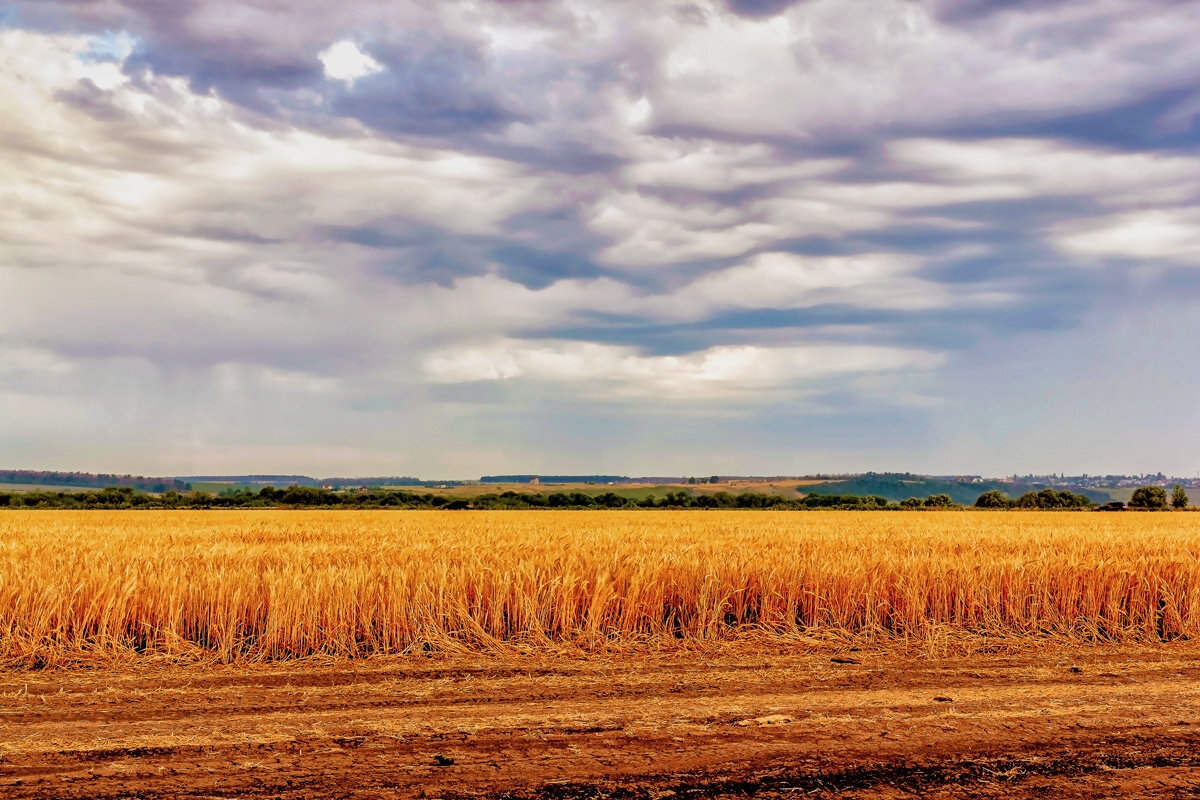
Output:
[[1071, 723]]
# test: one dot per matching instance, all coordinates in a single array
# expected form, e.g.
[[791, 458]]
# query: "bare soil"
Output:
[[1070, 723]]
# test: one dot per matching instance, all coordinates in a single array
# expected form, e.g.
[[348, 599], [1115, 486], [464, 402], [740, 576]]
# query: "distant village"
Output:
[[1106, 481]]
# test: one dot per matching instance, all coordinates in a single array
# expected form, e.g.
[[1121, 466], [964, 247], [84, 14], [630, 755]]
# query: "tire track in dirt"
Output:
[[735, 724]]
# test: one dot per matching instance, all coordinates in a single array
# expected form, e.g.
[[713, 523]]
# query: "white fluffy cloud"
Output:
[[1026, 168], [785, 280], [1153, 196], [1170, 235], [343, 61], [707, 165], [608, 370], [827, 64], [649, 229]]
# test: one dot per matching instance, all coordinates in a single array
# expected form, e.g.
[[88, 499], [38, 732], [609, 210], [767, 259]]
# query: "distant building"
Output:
[[534, 481]]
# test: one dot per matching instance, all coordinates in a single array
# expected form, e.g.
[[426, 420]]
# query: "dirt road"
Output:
[[1067, 723]]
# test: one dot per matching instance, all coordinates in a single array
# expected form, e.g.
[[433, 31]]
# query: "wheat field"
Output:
[[256, 585]]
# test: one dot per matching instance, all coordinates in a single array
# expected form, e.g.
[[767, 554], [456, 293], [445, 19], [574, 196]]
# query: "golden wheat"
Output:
[[273, 584]]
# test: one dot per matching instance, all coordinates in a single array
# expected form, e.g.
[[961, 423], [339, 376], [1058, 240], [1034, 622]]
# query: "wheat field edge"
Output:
[[258, 585]]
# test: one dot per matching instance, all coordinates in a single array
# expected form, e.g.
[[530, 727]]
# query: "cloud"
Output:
[[649, 231], [32, 370], [237, 377], [609, 370], [1149, 198], [651, 228], [785, 280], [456, 221], [343, 61], [422, 86], [707, 165], [1047, 168], [827, 66], [1171, 235], [759, 8], [177, 172], [784, 69]]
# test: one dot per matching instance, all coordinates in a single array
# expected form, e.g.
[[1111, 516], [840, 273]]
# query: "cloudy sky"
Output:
[[448, 238]]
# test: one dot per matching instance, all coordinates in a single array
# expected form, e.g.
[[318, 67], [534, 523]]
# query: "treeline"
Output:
[[1147, 498], [312, 497], [118, 497], [91, 480], [1045, 499]]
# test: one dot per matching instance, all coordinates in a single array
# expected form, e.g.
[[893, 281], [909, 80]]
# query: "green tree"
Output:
[[938, 501], [1179, 498], [1149, 497], [993, 498]]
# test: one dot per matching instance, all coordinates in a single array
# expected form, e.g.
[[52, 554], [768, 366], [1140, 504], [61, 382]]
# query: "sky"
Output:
[[447, 239]]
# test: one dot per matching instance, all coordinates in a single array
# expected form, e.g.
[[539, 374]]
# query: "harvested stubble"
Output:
[[275, 584]]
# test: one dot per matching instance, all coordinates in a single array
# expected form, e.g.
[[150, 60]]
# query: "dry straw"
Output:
[[272, 584]]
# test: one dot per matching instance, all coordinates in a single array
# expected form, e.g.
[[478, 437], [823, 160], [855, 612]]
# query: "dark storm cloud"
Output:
[[815, 246], [1013, 228], [683, 337], [434, 83], [243, 76], [426, 87], [413, 253], [561, 227], [565, 154], [172, 44], [89, 98], [426, 254], [1055, 308], [1169, 118], [965, 11], [756, 9], [400, 235], [243, 65], [537, 268]]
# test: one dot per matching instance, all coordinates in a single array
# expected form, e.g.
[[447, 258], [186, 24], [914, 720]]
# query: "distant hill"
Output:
[[555, 478], [264, 480], [89, 480], [390, 480], [899, 486], [281, 481], [892, 485]]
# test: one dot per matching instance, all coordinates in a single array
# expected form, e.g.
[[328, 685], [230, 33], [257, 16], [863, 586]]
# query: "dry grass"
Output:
[[268, 584]]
